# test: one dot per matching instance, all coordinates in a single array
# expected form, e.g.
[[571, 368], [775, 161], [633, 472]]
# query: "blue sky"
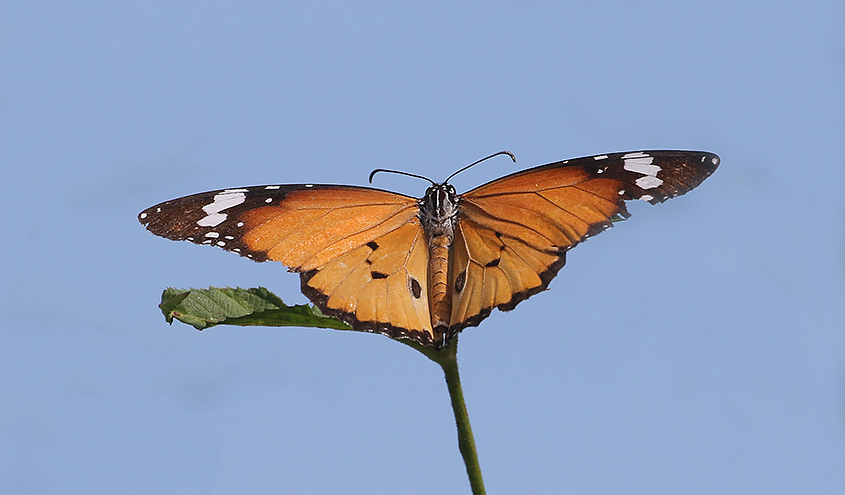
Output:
[[695, 348]]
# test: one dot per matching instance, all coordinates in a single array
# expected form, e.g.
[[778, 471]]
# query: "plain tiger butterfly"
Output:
[[424, 269]]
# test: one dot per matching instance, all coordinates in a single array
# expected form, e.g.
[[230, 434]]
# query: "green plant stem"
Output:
[[448, 360]]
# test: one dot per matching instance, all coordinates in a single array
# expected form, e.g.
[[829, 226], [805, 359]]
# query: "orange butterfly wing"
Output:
[[361, 252], [513, 233]]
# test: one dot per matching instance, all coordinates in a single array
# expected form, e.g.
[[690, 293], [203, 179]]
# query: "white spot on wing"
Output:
[[222, 201], [272, 187], [642, 165], [646, 197], [213, 235], [309, 185], [268, 200], [649, 182], [143, 215], [600, 157], [212, 220]]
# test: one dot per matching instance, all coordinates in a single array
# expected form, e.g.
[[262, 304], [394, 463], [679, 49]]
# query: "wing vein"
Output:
[[513, 222], [570, 212], [542, 214], [337, 241], [594, 194]]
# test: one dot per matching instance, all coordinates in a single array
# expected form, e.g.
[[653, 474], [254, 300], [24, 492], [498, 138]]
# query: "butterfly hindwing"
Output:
[[361, 252], [381, 286], [514, 232], [491, 269]]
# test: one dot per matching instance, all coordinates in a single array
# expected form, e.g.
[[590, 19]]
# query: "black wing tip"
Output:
[[678, 173], [144, 216], [707, 160]]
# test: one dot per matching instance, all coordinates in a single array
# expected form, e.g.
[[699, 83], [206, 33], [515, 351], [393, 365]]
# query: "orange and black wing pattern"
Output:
[[364, 255], [361, 252], [513, 233]]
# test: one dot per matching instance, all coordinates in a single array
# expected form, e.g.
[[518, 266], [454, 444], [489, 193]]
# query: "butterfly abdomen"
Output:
[[440, 299]]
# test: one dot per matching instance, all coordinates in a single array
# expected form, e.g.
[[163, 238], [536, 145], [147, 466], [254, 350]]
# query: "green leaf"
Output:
[[203, 308]]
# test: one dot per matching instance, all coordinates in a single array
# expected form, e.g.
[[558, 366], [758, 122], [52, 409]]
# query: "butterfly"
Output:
[[424, 269]]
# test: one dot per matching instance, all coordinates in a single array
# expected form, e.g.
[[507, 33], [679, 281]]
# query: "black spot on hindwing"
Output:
[[493, 263], [377, 275], [372, 245], [460, 281], [416, 289]]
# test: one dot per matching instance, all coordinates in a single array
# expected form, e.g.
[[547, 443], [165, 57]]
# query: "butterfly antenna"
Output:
[[400, 173], [479, 161]]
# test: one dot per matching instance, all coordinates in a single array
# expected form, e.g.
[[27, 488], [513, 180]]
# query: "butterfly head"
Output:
[[440, 194]]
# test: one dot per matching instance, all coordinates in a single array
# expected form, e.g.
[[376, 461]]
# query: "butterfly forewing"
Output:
[[513, 232]]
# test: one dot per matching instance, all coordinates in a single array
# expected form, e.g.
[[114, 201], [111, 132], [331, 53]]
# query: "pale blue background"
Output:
[[696, 348]]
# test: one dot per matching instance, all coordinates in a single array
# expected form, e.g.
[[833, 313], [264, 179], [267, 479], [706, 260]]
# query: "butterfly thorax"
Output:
[[438, 216], [439, 211]]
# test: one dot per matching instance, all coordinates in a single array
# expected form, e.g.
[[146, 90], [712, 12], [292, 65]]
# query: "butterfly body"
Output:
[[438, 216], [424, 269]]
